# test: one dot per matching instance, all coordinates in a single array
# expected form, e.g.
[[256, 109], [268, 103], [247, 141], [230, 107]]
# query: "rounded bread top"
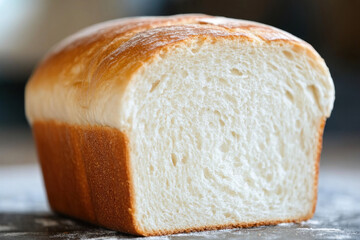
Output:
[[105, 56]]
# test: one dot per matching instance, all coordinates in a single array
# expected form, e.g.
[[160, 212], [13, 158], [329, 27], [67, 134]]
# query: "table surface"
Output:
[[24, 213]]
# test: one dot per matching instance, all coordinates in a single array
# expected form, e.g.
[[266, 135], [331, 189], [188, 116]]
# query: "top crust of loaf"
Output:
[[83, 79]]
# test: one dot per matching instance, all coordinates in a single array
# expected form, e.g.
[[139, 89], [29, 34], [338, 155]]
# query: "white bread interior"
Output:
[[222, 133], [221, 130]]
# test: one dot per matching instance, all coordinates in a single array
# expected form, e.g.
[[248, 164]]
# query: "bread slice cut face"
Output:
[[224, 133], [222, 121]]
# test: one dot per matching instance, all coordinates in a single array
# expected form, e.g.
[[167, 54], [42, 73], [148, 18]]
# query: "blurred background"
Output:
[[28, 28]]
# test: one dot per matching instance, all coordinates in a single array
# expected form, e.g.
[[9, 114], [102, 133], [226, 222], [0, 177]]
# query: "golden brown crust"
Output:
[[104, 41], [87, 176], [89, 64], [86, 173], [319, 138], [63, 170]]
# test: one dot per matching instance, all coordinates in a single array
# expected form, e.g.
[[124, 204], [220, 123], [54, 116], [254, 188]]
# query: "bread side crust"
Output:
[[319, 138], [87, 176], [86, 173]]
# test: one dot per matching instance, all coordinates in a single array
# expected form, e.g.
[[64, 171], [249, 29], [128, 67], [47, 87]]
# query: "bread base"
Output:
[[87, 176]]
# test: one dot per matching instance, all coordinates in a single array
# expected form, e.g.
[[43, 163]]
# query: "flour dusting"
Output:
[[4, 228], [46, 222]]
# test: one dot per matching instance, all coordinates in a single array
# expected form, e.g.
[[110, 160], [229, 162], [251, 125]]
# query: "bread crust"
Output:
[[87, 176], [319, 138], [86, 173], [96, 65]]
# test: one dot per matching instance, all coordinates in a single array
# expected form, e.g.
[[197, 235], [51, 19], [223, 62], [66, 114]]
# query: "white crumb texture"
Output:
[[225, 133]]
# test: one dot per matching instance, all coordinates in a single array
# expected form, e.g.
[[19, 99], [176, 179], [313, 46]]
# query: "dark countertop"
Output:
[[24, 213]]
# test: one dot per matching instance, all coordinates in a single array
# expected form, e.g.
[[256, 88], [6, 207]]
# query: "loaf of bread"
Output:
[[160, 125]]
